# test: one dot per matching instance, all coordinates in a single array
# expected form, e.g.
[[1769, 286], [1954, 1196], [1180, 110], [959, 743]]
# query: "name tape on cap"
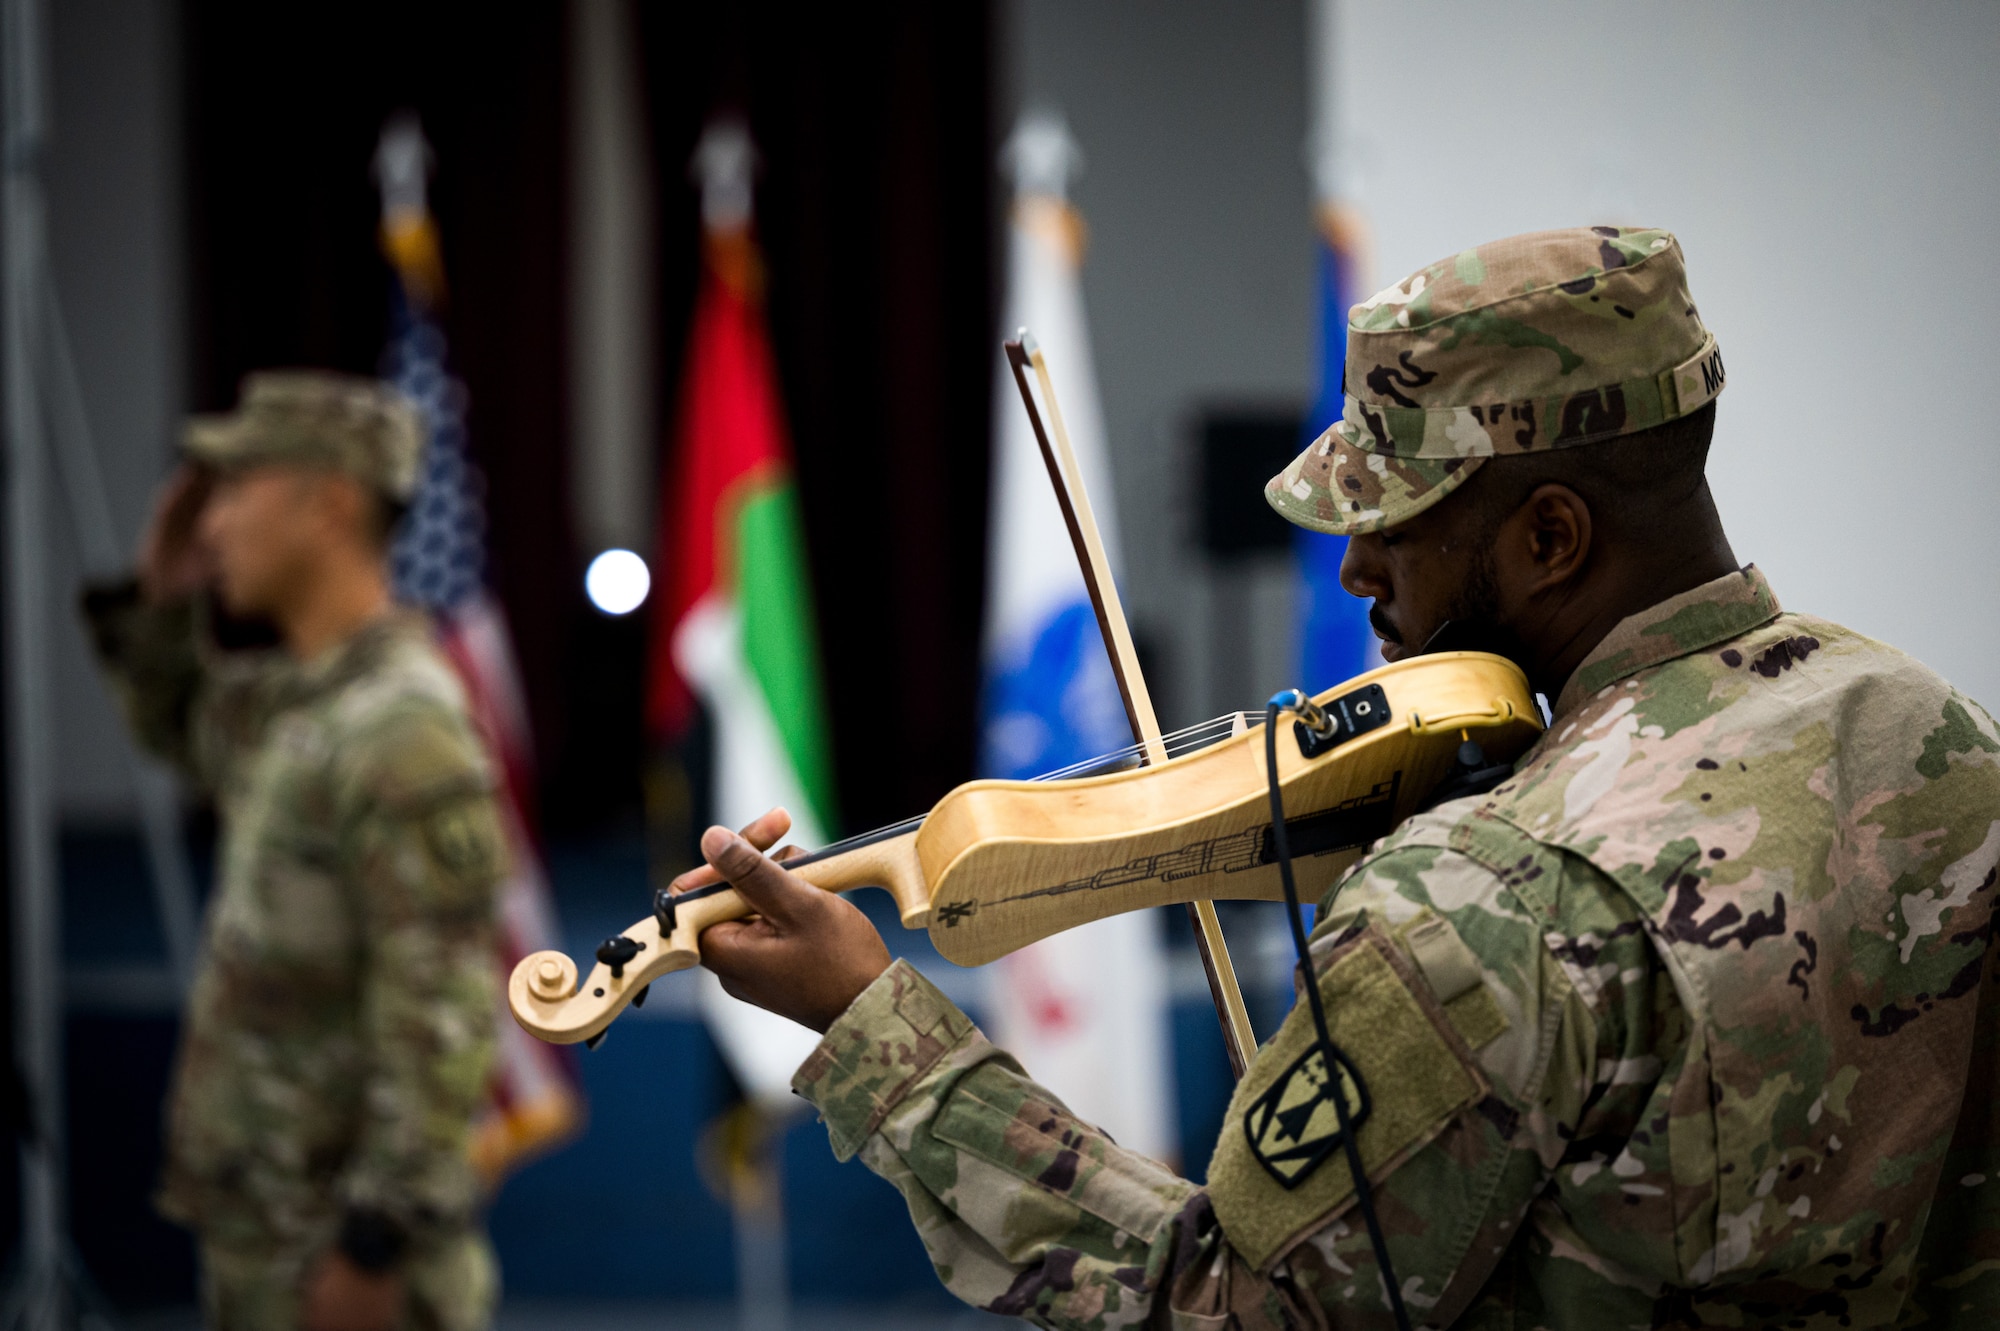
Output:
[[1699, 378]]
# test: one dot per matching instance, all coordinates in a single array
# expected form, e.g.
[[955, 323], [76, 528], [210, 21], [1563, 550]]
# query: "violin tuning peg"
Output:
[[597, 1039], [663, 911], [615, 952], [639, 999]]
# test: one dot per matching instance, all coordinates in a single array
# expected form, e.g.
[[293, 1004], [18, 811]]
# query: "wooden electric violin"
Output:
[[996, 865]]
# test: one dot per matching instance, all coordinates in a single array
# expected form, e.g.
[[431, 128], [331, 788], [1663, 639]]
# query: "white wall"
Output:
[[1833, 171], [1197, 282]]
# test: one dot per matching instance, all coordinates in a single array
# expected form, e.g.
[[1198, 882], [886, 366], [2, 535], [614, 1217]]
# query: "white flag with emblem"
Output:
[[1086, 1010]]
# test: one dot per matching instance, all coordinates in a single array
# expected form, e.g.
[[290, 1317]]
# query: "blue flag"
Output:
[[1334, 642]]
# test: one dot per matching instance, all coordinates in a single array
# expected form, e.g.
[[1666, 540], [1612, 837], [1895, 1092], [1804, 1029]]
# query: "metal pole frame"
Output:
[[39, 1298], [50, 1290]]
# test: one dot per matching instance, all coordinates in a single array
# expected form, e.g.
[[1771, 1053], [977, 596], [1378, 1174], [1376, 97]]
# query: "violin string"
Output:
[[1193, 737], [1137, 748], [863, 839], [1186, 740]]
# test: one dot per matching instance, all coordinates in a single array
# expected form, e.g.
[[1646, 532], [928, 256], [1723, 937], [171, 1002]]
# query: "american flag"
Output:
[[438, 563], [439, 559]]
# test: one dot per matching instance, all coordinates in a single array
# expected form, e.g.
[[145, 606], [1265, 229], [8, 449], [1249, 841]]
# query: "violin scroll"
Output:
[[547, 1001], [551, 1005]]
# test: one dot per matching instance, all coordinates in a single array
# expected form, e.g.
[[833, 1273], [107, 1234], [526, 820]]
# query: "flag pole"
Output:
[[39, 1297], [1238, 1038]]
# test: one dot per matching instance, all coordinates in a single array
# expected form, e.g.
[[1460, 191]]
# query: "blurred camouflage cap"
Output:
[[1542, 341], [317, 418]]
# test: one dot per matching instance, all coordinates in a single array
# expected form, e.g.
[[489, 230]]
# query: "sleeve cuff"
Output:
[[116, 613], [883, 1047]]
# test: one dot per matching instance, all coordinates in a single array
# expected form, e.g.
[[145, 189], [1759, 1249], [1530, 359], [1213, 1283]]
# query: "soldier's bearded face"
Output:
[[264, 528], [1438, 567]]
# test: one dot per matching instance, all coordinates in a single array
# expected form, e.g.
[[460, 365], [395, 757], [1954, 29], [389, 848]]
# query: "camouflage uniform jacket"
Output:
[[343, 1021], [1685, 1024]]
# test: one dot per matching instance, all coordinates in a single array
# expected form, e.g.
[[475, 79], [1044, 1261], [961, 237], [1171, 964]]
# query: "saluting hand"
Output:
[[173, 561], [807, 953]]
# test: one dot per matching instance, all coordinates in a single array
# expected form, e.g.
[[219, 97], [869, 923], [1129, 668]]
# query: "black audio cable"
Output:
[[1295, 702]]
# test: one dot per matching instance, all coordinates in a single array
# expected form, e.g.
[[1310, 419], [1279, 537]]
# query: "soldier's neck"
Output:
[[1632, 577], [349, 592]]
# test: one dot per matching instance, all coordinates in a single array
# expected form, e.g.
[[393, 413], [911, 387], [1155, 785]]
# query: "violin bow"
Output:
[[1023, 354]]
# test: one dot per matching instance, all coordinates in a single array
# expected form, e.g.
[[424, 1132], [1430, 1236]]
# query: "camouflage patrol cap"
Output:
[[1542, 341], [316, 418]]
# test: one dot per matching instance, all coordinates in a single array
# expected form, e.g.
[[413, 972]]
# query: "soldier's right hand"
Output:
[[173, 562], [340, 1296]]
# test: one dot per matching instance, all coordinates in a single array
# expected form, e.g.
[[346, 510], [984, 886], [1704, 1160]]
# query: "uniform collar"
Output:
[[353, 654], [1714, 612]]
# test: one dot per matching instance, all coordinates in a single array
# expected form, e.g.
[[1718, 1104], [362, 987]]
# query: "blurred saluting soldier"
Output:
[[341, 1027]]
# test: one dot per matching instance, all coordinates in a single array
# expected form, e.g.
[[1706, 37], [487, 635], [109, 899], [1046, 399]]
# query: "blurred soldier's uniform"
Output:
[[1686, 1023], [341, 1028]]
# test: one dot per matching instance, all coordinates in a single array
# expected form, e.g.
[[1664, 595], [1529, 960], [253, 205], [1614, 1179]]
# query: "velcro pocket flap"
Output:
[[1417, 1073]]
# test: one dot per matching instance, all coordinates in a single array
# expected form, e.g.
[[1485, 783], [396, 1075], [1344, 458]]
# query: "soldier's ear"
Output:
[[350, 507], [1556, 535]]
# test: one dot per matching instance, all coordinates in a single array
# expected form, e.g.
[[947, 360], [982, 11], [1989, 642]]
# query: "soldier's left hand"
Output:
[[806, 954], [340, 1296]]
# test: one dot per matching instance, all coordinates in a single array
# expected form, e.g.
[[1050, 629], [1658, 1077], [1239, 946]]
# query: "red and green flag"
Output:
[[736, 627]]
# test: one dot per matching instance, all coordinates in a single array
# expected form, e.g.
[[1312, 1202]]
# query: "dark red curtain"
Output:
[[878, 215], [285, 103], [877, 211]]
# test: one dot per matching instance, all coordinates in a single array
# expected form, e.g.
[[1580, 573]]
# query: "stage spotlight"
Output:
[[617, 582]]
